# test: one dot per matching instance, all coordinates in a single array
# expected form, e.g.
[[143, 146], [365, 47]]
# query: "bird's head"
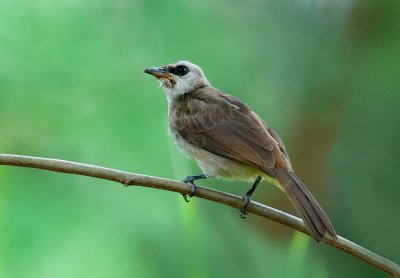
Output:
[[179, 78]]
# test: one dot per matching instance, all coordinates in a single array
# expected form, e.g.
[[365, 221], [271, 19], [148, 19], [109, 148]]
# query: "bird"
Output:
[[228, 140]]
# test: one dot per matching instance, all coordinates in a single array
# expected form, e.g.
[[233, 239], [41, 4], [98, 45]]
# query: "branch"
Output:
[[127, 179]]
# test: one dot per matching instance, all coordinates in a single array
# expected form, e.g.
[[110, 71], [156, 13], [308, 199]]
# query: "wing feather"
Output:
[[223, 125]]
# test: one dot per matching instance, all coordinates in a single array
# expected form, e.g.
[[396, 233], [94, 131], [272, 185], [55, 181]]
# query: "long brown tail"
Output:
[[310, 211]]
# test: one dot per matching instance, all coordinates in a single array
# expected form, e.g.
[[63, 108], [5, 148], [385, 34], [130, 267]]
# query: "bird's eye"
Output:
[[180, 70]]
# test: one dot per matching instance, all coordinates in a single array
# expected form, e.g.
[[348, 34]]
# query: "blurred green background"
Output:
[[324, 74]]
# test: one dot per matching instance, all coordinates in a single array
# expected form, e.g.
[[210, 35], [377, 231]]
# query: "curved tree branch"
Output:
[[201, 192]]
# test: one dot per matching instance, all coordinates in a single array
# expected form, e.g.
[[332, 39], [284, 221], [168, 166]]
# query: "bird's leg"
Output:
[[247, 197], [189, 180]]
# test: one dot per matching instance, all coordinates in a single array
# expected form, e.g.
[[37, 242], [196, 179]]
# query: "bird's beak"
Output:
[[162, 74], [157, 72]]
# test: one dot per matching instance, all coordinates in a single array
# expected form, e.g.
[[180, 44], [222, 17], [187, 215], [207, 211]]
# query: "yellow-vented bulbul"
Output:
[[229, 140]]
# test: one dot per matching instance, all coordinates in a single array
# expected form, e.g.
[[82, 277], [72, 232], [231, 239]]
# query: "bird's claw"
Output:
[[243, 212], [185, 197], [192, 186]]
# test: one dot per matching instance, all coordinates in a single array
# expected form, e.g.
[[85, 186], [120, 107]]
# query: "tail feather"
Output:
[[310, 211]]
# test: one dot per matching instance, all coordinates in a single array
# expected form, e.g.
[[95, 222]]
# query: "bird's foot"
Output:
[[189, 180], [243, 212], [247, 197]]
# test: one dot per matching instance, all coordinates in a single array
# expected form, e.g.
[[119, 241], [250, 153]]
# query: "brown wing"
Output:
[[280, 144], [223, 125]]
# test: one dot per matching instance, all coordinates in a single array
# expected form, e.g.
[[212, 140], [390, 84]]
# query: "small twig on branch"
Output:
[[127, 179]]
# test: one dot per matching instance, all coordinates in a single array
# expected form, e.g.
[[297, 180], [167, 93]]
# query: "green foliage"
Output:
[[324, 74]]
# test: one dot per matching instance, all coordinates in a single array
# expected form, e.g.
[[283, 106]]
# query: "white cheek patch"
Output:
[[178, 89]]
